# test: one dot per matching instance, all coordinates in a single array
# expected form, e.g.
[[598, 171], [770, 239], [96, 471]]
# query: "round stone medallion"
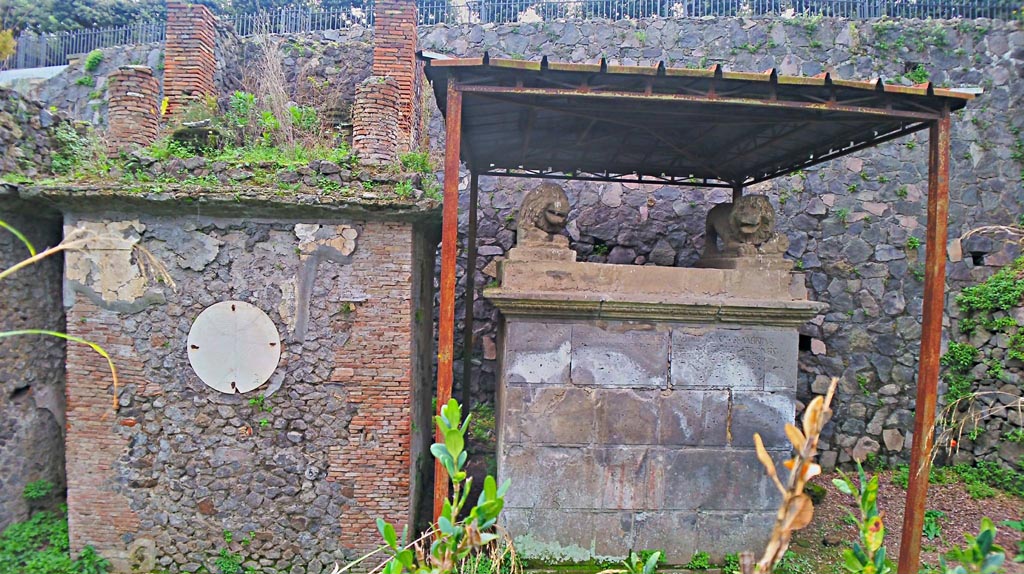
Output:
[[233, 346]]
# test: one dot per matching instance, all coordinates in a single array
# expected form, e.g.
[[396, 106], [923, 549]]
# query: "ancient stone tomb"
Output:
[[629, 395]]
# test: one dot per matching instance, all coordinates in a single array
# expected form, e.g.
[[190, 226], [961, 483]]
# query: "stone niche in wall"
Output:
[[628, 400]]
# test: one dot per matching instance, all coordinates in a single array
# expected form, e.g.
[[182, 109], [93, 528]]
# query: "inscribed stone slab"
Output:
[[747, 358]]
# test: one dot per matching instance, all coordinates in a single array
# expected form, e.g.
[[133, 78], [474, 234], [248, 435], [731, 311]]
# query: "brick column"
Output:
[[134, 114], [189, 61], [375, 120], [384, 117]]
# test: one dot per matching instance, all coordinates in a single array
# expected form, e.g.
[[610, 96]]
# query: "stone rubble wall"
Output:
[[31, 367], [848, 221], [157, 482]]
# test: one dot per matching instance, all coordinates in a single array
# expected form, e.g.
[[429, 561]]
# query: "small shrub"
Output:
[[85, 81], [868, 554], [418, 162], [404, 189], [980, 556], [37, 490], [700, 561], [304, 118], [960, 357], [932, 528], [1000, 292], [93, 61]]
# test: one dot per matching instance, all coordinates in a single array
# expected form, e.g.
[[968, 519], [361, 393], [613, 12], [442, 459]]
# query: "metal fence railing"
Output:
[[39, 50], [299, 20], [507, 11]]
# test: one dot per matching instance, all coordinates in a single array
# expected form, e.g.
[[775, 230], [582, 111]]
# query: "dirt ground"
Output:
[[823, 541]]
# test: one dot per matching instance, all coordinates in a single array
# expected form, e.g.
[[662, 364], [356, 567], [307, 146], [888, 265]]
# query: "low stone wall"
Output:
[[299, 476], [27, 144]]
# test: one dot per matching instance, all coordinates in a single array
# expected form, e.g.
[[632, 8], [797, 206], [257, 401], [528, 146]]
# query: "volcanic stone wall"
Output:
[[298, 477], [850, 222], [31, 366]]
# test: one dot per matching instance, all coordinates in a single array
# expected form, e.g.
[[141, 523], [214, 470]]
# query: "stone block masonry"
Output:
[[308, 469], [628, 409], [134, 109], [189, 60]]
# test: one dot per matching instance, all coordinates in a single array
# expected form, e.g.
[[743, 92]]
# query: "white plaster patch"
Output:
[[286, 309], [341, 238], [233, 346], [105, 265], [549, 367]]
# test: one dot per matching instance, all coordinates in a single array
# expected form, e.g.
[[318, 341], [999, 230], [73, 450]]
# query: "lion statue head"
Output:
[[544, 213], [752, 219]]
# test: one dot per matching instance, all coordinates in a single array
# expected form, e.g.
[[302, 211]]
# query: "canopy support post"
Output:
[[931, 340], [449, 249], [468, 342], [737, 192]]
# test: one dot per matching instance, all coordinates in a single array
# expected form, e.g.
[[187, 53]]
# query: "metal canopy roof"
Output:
[[674, 125]]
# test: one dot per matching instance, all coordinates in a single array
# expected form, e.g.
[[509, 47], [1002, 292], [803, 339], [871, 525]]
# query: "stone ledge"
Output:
[[684, 309], [228, 201]]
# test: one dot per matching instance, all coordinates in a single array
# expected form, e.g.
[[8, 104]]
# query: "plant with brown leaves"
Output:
[[796, 509]]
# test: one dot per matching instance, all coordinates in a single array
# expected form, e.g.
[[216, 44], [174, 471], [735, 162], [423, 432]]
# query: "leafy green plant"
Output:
[[418, 162], [40, 545], [93, 60], [731, 564], [980, 556], [37, 490], [868, 554], [1017, 525], [258, 402], [1000, 292], [241, 106], [85, 81], [913, 242], [1016, 435], [699, 561], [404, 189], [453, 538], [932, 528], [960, 357], [842, 214], [305, 118], [918, 75], [228, 562]]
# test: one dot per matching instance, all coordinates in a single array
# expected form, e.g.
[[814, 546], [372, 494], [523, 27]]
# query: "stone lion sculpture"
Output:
[[746, 228], [542, 216]]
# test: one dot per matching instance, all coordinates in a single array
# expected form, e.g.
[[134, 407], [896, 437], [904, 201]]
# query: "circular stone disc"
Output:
[[233, 346]]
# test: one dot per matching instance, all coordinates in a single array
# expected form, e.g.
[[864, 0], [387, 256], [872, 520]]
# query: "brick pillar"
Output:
[[376, 131], [384, 117], [189, 61], [134, 114]]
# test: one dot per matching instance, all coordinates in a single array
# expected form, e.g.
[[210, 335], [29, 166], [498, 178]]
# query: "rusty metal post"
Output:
[[449, 248], [931, 340], [470, 298]]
